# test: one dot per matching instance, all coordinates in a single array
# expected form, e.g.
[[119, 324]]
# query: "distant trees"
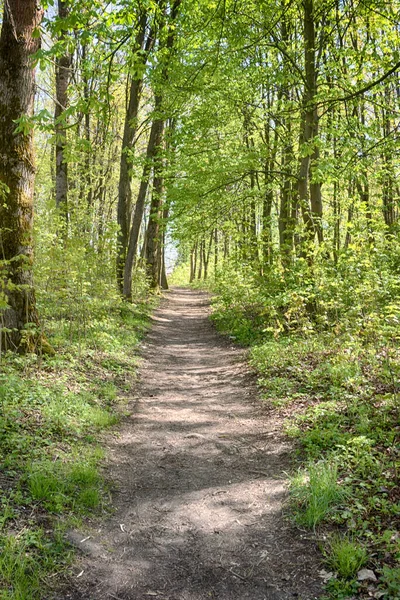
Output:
[[282, 154]]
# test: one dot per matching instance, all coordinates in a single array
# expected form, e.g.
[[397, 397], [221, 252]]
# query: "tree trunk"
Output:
[[154, 232], [207, 254], [309, 194], [388, 183], [200, 260], [154, 141], [164, 279], [87, 176], [63, 76], [193, 263], [215, 251], [124, 208], [17, 170]]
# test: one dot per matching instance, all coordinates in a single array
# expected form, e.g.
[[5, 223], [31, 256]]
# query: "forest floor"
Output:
[[199, 469]]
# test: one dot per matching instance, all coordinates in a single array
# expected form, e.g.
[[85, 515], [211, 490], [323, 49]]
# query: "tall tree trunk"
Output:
[[193, 263], [250, 221], [163, 276], [154, 141], [17, 171], [286, 224], [200, 260], [154, 230], [164, 279], [215, 251], [87, 177], [124, 208], [309, 196], [388, 183], [206, 255], [63, 76]]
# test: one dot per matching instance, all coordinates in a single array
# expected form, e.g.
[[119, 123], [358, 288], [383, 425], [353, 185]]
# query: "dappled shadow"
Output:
[[199, 476]]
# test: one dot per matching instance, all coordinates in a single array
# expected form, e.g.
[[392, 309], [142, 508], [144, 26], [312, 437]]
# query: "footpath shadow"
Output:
[[200, 481]]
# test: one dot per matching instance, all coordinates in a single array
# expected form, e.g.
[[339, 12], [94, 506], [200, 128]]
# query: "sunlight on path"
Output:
[[199, 471]]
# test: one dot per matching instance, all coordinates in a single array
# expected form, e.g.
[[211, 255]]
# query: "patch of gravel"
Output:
[[199, 470]]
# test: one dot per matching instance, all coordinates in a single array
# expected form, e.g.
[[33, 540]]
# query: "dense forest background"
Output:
[[259, 142]]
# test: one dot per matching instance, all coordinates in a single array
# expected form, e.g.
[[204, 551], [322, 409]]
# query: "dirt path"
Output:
[[200, 480]]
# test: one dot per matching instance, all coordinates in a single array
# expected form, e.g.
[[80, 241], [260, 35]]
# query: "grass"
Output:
[[345, 556], [338, 395], [25, 558], [315, 491], [52, 411], [341, 407]]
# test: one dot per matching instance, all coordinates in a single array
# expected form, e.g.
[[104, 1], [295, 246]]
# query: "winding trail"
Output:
[[199, 469]]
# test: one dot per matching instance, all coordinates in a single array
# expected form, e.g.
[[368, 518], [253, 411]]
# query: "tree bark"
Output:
[[17, 170], [200, 271], [215, 251], [124, 208], [154, 232], [309, 196], [154, 141], [193, 263], [63, 75]]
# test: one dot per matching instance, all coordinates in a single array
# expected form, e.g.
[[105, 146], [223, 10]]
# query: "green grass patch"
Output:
[[341, 406], [315, 491], [52, 410], [335, 383], [345, 556]]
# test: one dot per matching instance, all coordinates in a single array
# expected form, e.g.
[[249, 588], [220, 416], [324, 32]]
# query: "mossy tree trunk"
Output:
[[18, 42], [63, 76]]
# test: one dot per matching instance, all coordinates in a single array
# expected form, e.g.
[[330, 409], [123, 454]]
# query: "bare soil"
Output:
[[200, 473]]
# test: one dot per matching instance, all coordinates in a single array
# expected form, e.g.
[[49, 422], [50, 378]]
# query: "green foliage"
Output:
[[391, 581], [53, 407], [25, 559], [327, 356], [315, 492], [345, 556]]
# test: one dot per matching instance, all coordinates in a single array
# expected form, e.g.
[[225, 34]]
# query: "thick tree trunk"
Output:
[[17, 171], [63, 75]]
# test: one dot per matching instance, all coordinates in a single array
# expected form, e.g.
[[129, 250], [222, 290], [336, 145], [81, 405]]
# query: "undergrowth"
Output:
[[327, 356], [52, 411]]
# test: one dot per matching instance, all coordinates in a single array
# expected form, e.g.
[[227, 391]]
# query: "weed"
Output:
[[88, 498], [315, 491], [391, 581], [345, 556]]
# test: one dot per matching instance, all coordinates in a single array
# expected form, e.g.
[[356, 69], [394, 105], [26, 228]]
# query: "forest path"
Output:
[[199, 470]]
